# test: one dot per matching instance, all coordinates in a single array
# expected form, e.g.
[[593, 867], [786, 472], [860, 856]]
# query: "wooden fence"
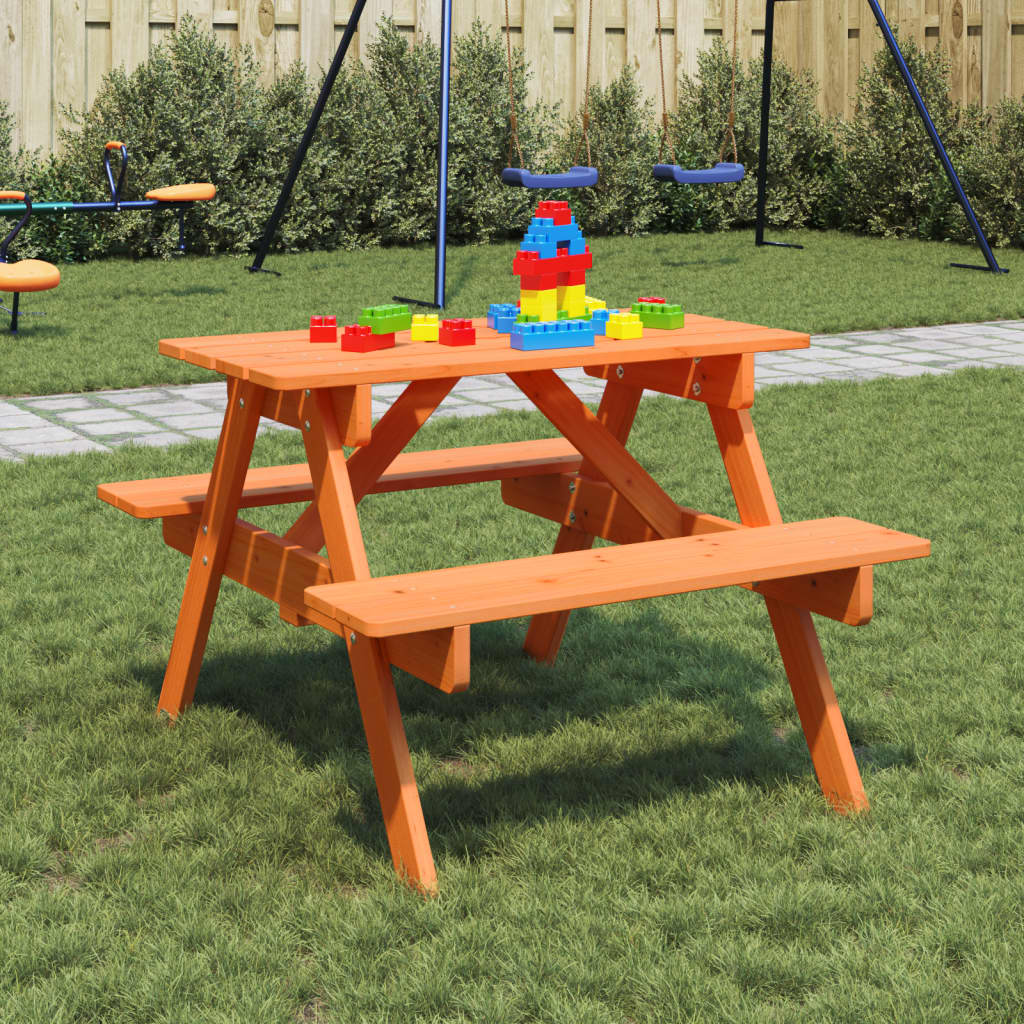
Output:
[[56, 52]]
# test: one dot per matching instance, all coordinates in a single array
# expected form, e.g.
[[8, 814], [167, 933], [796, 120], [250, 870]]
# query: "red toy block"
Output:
[[558, 212], [362, 339], [457, 332], [650, 298], [530, 263], [539, 282], [323, 329], [571, 277]]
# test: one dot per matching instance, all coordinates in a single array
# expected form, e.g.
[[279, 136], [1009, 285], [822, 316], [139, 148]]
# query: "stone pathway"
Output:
[[103, 420]]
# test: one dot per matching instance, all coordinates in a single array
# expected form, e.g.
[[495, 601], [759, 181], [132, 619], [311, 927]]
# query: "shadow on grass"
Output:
[[640, 684]]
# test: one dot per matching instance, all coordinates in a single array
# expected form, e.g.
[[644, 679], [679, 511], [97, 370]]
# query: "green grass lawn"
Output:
[[104, 320], [632, 835]]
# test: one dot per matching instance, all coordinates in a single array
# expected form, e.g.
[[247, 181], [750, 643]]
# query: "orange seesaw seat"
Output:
[[28, 276], [193, 192]]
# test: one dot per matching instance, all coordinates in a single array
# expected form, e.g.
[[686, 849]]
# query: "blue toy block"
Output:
[[577, 246], [598, 320], [561, 234], [501, 316], [552, 334], [539, 244]]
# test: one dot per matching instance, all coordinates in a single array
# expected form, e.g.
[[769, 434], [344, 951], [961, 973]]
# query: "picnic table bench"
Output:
[[584, 480]]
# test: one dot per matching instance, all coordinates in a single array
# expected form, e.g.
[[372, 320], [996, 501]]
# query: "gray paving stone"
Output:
[[95, 415], [491, 394], [878, 350], [193, 420], [976, 353], [471, 410], [20, 418], [70, 446], [1012, 361], [113, 428], [139, 397], [871, 363], [927, 357], [159, 440], [517, 403], [921, 345], [1012, 348], [53, 404], [8, 409], [6, 456], [158, 410], [205, 432], [35, 435], [913, 371]]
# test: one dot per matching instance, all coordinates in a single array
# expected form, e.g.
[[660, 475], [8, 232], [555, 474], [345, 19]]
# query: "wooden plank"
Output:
[[351, 407], [369, 22], [996, 40], [835, 40], [281, 571], [256, 29], [911, 21], [206, 567], [163, 12], [36, 76], [642, 45], [316, 36], [787, 46], [266, 486], [428, 20], [201, 10], [689, 41], [593, 507], [716, 380], [12, 52], [468, 594], [952, 32], [539, 49], [129, 34], [812, 45], [69, 53], [97, 61]]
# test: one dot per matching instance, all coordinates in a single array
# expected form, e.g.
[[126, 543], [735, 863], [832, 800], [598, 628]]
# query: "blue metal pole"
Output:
[[940, 150], [442, 154]]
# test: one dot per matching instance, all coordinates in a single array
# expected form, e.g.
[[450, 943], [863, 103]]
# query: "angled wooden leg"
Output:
[[617, 411], [202, 586], [815, 699], [371, 671]]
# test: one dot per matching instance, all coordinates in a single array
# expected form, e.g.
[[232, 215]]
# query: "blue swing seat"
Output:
[[575, 177], [719, 174]]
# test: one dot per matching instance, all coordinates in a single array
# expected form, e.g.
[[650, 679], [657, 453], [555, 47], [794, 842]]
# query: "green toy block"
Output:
[[562, 314], [659, 315], [386, 319], [527, 318]]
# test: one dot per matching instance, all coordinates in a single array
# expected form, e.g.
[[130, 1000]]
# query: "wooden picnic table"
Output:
[[585, 481]]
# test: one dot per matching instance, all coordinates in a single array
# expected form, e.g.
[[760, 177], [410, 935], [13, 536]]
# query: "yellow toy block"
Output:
[[424, 327], [624, 326], [590, 304], [541, 304], [571, 298]]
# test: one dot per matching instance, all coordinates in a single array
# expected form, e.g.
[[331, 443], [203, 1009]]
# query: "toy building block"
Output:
[[590, 304], [386, 319], [457, 332], [624, 326], [539, 282], [571, 297], [572, 277], [539, 244], [659, 314], [527, 318], [650, 298], [559, 213], [563, 235], [599, 320], [560, 334], [424, 327], [542, 304], [323, 329], [501, 316], [360, 338], [525, 262]]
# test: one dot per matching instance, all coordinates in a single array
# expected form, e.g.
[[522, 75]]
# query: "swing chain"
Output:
[[665, 137], [730, 134], [586, 95], [512, 119]]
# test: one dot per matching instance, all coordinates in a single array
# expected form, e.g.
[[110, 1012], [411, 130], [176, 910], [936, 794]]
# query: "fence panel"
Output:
[[56, 52]]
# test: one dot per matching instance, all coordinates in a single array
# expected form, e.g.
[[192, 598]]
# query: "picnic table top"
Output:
[[287, 360]]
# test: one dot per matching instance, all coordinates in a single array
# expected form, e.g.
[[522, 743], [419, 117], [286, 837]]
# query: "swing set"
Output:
[[583, 176]]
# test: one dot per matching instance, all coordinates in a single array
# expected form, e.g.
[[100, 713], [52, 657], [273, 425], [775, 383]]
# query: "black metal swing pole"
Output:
[[766, 103], [307, 138], [940, 150]]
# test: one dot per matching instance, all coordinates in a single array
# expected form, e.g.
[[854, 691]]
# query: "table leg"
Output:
[[797, 638], [617, 411], [371, 671], [220, 510]]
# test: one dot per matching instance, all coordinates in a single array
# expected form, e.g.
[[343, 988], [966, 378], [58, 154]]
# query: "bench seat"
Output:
[[282, 485], [393, 605]]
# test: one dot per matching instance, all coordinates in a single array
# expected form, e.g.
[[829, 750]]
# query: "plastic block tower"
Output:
[[552, 264]]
